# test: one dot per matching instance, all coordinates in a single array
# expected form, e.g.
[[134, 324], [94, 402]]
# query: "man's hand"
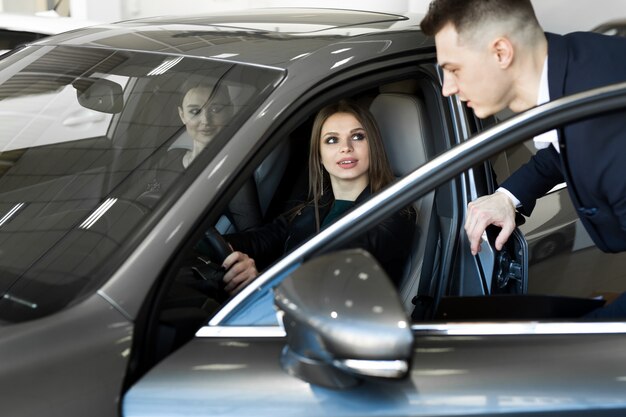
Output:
[[496, 209], [240, 270]]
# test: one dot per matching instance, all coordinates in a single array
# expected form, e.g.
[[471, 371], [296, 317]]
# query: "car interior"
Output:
[[281, 181]]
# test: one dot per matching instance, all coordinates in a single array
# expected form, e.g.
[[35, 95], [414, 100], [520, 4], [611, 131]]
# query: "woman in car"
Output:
[[347, 164]]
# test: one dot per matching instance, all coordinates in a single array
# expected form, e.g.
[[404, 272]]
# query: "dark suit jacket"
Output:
[[593, 152]]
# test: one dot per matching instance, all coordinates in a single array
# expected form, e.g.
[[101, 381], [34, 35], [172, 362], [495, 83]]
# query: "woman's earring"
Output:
[[322, 184]]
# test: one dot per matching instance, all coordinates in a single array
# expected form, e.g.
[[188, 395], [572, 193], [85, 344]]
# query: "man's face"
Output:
[[473, 73]]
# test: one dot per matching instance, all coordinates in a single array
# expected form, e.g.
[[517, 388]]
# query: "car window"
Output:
[[86, 158], [404, 111]]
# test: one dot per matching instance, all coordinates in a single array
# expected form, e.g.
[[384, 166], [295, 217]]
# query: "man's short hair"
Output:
[[467, 16]]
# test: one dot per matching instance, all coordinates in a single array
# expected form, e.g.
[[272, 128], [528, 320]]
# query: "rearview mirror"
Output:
[[99, 94], [344, 321]]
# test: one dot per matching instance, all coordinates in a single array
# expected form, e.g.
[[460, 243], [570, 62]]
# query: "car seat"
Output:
[[406, 135]]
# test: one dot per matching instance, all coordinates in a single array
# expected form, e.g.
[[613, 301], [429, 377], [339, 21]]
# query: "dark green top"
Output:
[[339, 207]]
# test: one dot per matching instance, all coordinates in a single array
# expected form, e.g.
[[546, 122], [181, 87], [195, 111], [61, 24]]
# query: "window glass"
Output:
[[91, 141]]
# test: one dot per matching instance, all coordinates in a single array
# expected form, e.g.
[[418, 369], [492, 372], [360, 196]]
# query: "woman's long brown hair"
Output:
[[379, 174]]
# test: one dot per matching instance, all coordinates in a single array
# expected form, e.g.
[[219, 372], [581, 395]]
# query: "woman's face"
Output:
[[344, 150], [202, 117]]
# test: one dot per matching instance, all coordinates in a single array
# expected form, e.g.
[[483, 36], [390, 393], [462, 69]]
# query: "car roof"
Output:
[[287, 20], [272, 37]]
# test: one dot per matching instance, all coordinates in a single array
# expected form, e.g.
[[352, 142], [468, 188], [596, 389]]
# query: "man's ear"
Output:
[[503, 51], [181, 114]]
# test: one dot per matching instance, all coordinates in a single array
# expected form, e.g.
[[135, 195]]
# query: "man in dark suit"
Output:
[[494, 55]]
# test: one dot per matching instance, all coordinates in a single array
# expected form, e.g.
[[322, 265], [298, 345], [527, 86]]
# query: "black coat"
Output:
[[593, 152], [389, 241]]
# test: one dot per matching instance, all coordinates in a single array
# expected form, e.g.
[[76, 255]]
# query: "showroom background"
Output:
[[558, 16]]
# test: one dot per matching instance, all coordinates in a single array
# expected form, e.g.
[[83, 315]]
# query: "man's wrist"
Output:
[[516, 203]]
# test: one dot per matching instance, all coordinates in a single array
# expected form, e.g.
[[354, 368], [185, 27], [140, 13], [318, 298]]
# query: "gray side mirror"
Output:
[[344, 321]]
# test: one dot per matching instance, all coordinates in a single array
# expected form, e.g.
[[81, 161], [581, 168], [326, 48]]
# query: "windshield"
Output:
[[91, 141]]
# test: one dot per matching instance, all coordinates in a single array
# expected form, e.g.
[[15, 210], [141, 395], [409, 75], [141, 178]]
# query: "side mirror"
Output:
[[99, 94], [344, 321]]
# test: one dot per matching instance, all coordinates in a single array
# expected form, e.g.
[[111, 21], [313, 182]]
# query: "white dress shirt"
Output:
[[543, 96], [545, 139]]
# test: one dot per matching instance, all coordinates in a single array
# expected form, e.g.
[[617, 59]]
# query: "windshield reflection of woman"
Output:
[[205, 110]]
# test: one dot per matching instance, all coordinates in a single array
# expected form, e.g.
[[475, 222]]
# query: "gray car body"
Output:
[[74, 362], [450, 375]]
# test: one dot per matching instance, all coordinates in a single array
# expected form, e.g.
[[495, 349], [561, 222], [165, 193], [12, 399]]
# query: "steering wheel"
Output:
[[219, 247], [207, 274], [198, 289]]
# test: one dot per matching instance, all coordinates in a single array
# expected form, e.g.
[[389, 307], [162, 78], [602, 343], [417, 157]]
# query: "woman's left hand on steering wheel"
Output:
[[240, 271]]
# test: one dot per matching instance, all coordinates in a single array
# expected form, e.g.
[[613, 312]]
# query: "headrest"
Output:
[[269, 174], [404, 129]]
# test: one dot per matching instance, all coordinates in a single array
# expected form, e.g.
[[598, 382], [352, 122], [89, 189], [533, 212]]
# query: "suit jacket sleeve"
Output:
[[613, 188], [535, 178]]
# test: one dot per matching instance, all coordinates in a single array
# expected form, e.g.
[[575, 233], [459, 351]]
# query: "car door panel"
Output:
[[484, 375]]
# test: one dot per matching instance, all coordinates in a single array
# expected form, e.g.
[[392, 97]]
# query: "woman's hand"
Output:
[[240, 271]]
